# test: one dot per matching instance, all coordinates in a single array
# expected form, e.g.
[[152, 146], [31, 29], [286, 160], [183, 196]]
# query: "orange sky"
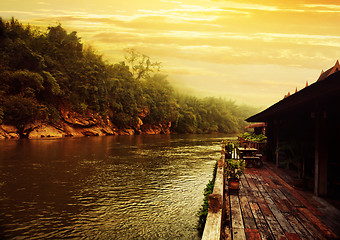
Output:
[[252, 51]]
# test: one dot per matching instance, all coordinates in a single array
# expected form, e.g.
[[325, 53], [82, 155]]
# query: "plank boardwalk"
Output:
[[267, 207]]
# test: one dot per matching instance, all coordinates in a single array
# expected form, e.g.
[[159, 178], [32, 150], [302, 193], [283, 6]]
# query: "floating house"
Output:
[[303, 131]]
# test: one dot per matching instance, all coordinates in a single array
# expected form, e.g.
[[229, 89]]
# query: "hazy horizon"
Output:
[[249, 51]]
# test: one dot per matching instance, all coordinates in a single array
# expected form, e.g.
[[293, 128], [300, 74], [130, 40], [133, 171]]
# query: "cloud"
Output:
[[331, 6], [44, 3], [208, 44], [286, 49], [278, 3]]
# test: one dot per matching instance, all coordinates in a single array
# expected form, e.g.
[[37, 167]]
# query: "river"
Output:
[[114, 187]]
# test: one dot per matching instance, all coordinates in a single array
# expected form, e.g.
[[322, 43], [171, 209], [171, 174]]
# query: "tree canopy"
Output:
[[41, 71]]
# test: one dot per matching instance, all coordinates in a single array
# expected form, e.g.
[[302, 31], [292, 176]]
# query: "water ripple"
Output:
[[133, 187]]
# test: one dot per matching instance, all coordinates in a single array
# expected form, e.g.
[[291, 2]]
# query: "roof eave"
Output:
[[304, 96]]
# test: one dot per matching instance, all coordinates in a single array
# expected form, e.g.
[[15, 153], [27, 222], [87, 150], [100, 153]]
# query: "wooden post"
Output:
[[321, 154], [215, 202]]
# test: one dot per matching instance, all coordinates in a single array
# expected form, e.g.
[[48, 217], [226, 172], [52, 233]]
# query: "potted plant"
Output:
[[229, 147], [235, 169]]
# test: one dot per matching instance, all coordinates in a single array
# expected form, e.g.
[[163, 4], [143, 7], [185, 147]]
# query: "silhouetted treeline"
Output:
[[41, 71]]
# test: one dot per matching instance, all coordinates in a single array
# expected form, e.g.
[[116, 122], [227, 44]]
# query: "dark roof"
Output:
[[330, 71], [317, 91]]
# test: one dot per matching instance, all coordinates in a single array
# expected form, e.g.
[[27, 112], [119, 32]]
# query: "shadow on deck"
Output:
[[267, 207]]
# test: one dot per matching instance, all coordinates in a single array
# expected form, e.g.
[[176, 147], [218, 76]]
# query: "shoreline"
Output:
[[39, 131]]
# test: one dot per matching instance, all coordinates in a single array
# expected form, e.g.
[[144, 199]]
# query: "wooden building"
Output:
[[259, 128], [308, 124]]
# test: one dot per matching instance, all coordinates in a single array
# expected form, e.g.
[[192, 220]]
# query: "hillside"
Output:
[[53, 86]]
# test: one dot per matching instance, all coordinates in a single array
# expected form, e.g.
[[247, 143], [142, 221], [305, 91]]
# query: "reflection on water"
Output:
[[119, 187]]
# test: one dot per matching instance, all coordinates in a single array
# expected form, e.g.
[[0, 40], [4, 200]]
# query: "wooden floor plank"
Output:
[[305, 202], [327, 232], [270, 182], [237, 226], [293, 236], [275, 180], [242, 190], [331, 217], [238, 234], [281, 219], [244, 181], [273, 224], [235, 209], [251, 190], [291, 198], [247, 214], [265, 174], [272, 193], [250, 181], [253, 183], [298, 227], [278, 201], [306, 224], [252, 234], [267, 207], [280, 194], [261, 223], [263, 191]]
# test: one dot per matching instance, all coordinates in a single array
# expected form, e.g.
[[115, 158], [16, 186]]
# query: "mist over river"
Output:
[[115, 187]]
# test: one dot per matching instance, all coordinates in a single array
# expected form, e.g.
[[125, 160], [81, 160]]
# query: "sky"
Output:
[[251, 51]]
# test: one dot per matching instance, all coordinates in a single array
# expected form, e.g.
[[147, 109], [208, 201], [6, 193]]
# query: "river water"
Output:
[[115, 187]]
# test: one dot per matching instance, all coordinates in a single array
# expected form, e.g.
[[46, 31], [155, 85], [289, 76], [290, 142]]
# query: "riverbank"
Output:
[[39, 130], [73, 124]]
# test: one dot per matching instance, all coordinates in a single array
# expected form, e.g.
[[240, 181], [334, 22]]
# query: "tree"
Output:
[[41, 71], [21, 81], [140, 64], [159, 99], [20, 111]]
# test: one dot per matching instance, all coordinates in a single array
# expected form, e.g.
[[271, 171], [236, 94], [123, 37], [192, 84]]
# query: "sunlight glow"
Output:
[[294, 39]]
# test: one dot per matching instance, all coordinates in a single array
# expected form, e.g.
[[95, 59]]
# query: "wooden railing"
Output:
[[213, 225], [251, 144]]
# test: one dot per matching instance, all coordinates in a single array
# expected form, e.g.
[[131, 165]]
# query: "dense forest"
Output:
[[42, 72]]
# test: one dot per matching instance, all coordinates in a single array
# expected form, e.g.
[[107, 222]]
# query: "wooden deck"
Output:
[[269, 208]]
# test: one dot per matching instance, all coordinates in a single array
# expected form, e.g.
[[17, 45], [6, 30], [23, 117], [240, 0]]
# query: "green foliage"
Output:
[[21, 81], [20, 110], [53, 68], [160, 100], [229, 147], [140, 64], [208, 115], [51, 85], [203, 212], [253, 137], [53, 115], [235, 168]]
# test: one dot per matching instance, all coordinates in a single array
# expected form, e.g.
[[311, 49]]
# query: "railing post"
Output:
[[215, 202]]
